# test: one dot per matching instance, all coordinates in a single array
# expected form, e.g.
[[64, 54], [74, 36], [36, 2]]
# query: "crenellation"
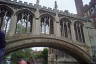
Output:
[[50, 9], [75, 16], [64, 13], [31, 4], [61, 12], [25, 3], [35, 5], [14, 0], [8, 0], [44, 7], [54, 10], [39, 6], [20, 2], [70, 14], [57, 11]]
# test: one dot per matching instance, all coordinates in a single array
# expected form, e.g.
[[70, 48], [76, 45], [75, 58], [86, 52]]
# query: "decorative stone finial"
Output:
[[37, 2], [56, 5]]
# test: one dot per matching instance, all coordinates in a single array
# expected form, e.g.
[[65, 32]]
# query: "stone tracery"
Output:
[[5, 17], [78, 27], [24, 21], [65, 28], [47, 24]]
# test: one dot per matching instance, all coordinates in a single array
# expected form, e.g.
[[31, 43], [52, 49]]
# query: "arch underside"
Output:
[[24, 41]]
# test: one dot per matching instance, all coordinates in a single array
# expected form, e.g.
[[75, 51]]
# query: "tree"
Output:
[[21, 54], [45, 55]]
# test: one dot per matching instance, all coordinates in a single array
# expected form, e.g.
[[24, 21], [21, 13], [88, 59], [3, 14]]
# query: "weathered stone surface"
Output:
[[27, 40], [80, 50]]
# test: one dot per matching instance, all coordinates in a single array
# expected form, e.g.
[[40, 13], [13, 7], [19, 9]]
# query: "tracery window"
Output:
[[5, 17], [65, 28], [47, 24], [79, 31], [24, 21]]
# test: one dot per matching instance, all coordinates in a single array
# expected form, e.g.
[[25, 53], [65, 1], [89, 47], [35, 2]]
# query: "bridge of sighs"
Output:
[[28, 25]]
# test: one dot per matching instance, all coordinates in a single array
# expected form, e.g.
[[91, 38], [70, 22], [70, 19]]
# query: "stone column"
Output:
[[36, 23], [57, 31], [73, 31], [12, 26], [33, 26]]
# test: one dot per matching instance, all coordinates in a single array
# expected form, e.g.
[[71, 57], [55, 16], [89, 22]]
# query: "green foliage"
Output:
[[27, 54], [19, 26], [45, 55], [37, 55], [22, 29], [24, 54]]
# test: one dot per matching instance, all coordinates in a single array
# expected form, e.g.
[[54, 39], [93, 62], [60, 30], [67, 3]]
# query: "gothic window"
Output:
[[5, 17], [78, 27], [46, 24], [24, 21], [65, 28]]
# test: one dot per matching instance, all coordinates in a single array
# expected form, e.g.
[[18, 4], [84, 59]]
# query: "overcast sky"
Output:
[[62, 5]]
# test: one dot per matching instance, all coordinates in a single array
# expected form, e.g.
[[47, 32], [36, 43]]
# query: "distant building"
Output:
[[90, 10], [79, 7]]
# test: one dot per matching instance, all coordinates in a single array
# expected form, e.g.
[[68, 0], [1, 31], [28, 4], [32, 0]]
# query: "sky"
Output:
[[62, 5]]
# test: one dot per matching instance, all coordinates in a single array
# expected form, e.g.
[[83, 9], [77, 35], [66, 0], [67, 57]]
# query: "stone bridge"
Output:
[[28, 25], [77, 50]]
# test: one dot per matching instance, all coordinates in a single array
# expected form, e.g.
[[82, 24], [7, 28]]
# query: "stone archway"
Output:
[[6, 13], [24, 21], [47, 24], [27, 40]]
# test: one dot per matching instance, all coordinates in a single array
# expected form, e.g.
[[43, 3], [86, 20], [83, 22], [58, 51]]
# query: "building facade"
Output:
[[90, 10]]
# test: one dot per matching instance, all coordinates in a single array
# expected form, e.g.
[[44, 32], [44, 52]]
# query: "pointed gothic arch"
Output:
[[65, 27], [5, 17], [24, 21], [78, 27], [47, 25]]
